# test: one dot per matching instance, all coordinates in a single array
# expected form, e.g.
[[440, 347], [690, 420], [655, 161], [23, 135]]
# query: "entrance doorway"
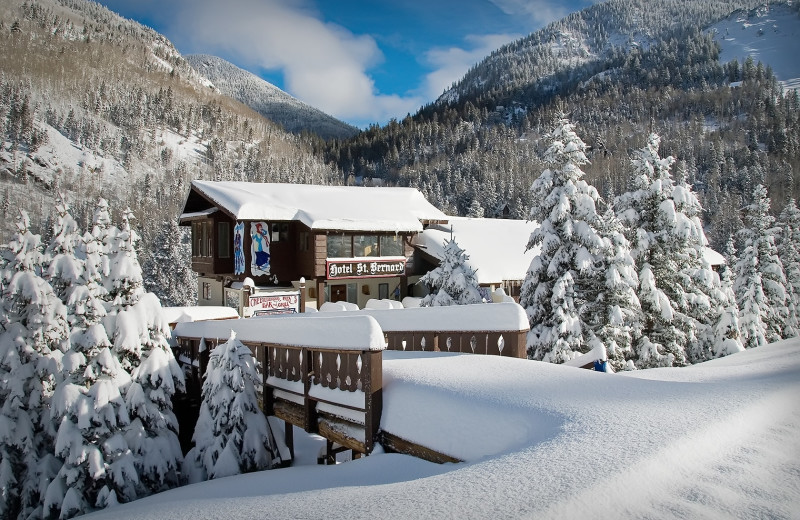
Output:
[[338, 293]]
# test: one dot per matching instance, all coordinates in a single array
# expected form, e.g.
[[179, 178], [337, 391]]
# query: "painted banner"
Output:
[[261, 304], [238, 248], [338, 269], [259, 261]]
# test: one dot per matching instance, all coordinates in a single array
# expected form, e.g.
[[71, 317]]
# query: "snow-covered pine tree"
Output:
[[760, 284], [31, 347], [64, 268], [168, 270], [125, 283], [453, 282], [789, 253], [140, 341], [680, 294], [232, 435], [612, 309], [97, 469], [561, 274]]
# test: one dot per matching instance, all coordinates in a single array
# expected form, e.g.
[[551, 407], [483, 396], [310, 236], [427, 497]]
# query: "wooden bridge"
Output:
[[323, 372]]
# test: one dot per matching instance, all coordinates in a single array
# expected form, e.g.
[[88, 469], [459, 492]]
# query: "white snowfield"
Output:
[[715, 440]]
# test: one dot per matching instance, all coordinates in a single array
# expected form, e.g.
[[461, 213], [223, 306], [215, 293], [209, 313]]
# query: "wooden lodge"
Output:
[[273, 248]]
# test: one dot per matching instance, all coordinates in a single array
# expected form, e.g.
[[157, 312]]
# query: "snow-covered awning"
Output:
[[496, 247], [334, 208]]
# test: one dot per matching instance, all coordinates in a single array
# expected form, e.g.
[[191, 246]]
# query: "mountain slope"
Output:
[[267, 99], [620, 70], [93, 105]]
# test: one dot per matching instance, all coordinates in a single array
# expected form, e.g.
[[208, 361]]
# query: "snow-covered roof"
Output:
[[352, 332], [198, 313], [506, 316], [339, 208], [496, 247], [713, 257]]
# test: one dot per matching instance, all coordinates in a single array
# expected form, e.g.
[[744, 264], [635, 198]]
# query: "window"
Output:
[[201, 238], [340, 246], [223, 239], [392, 245], [280, 232], [365, 245], [303, 241], [206, 290]]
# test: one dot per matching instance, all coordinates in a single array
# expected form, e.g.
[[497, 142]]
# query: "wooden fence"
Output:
[[333, 392]]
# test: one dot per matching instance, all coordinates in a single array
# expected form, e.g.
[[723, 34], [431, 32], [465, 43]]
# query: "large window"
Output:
[[392, 245], [223, 239], [358, 246], [340, 246], [365, 245]]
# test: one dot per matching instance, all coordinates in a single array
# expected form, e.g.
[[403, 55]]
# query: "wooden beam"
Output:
[[328, 429], [393, 443]]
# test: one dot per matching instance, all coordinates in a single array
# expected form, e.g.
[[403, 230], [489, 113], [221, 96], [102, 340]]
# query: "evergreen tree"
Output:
[[97, 469], [453, 282], [31, 348], [612, 310], [789, 253], [140, 341], [232, 435], [64, 268], [760, 284], [561, 276], [168, 270], [681, 296]]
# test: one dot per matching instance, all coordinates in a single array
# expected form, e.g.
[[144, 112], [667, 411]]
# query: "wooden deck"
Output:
[[334, 392]]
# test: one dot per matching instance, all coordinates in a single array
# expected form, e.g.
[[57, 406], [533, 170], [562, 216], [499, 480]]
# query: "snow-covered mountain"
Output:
[[591, 41], [267, 99]]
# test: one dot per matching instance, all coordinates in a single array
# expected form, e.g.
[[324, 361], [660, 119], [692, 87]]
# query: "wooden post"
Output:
[[373, 396], [309, 408]]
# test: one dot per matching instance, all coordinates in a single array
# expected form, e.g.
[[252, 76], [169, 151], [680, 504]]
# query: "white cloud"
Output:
[[323, 64], [540, 12], [451, 63]]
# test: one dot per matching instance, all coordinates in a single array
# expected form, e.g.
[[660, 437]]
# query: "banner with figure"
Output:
[[259, 261], [238, 248]]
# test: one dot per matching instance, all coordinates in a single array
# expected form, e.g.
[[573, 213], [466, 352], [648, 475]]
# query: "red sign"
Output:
[[338, 269], [274, 304]]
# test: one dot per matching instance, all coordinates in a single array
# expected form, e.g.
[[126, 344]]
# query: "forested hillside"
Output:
[[95, 105], [268, 100], [619, 69]]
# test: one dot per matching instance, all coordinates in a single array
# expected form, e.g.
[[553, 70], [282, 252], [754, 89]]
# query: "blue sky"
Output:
[[361, 61]]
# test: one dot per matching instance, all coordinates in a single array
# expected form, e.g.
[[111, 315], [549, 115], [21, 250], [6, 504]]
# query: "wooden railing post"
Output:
[[373, 396]]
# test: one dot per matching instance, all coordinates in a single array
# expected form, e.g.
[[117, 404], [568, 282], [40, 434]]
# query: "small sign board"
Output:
[[282, 303], [384, 268]]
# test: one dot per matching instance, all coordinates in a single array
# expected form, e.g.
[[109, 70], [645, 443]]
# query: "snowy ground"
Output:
[[716, 440], [772, 36]]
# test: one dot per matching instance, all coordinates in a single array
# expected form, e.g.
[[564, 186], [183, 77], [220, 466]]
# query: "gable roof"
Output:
[[335, 208], [496, 247]]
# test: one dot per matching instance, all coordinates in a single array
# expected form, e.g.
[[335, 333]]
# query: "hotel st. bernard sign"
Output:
[[338, 269]]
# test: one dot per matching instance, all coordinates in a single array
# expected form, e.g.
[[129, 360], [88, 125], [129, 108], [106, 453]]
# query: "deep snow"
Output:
[[714, 440], [771, 35]]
